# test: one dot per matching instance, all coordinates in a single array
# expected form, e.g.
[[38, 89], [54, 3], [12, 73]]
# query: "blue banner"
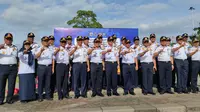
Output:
[[129, 33]]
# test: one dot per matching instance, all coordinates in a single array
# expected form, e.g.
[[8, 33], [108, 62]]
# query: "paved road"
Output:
[[138, 103]]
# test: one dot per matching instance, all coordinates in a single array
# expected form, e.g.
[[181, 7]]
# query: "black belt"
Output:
[[181, 59], [146, 62], [45, 65], [196, 61], [8, 65], [79, 62], [129, 64], [96, 63], [111, 61], [62, 63], [165, 61]]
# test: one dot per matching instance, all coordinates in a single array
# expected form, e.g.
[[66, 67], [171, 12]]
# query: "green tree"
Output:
[[85, 19], [197, 34]]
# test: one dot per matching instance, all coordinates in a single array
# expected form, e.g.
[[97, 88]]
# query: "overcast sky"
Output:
[[163, 17]]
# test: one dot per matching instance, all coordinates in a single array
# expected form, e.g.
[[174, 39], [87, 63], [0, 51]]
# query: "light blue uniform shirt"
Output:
[[180, 53], [46, 57], [8, 55], [113, 55], [129, 58], [96, 56]]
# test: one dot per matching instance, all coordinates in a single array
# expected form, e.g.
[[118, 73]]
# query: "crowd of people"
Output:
[[98, 66]]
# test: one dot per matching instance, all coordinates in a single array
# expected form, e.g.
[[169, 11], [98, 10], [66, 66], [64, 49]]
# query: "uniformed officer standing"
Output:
[[188, 46], [69, 47], [111, 64], [30, 38], [154, 45], [80, 68], [53, 77], [148, 65], [180, 55], [8, 65], [62, 69], [130, 66], [121, 47], [136, 46], [45, 57], [165, 65], [86, 45], [96, 60], [194, 52]]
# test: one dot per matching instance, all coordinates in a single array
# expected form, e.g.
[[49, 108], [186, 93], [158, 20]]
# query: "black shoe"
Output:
[[76, 97], [60, 99], [179, 92], [24, 102], [93, 95], [108, 94], [100, 94], [49, 99], [10, 102], [170, 92], [1, 103], [162, 92], [132, 93], [125, 93], [68, 97], [116, 94], [194, 91], [40, 100], [185, 92], [152, 93], [84, 96], [144, 93]]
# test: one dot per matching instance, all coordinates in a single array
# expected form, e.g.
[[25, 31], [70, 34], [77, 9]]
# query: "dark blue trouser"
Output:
[[7, 72], [129, 73], [120, 77], [80, 73], [147, 77], [195, 69], [62, 72], [182, 74], [111, 76], [165, 75], [44, 80], [96, 77]]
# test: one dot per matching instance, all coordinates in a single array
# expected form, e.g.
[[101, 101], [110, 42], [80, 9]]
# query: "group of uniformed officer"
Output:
[[133, 61]]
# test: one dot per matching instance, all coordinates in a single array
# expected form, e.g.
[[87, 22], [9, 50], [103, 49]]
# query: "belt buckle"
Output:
[[81, 62], [97, 63], [129, 64], [10, 65], [112, 61], [47, 65]]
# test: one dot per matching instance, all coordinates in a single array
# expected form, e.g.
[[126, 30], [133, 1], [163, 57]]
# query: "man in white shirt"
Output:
[[62, 70], [129, 68], [112, 64], [80, 68], [187, 44], [194, 52], [165, 65], [69, 46], [97, 66], [148, 65], [45, 57], [8, 65], [180, 55]]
